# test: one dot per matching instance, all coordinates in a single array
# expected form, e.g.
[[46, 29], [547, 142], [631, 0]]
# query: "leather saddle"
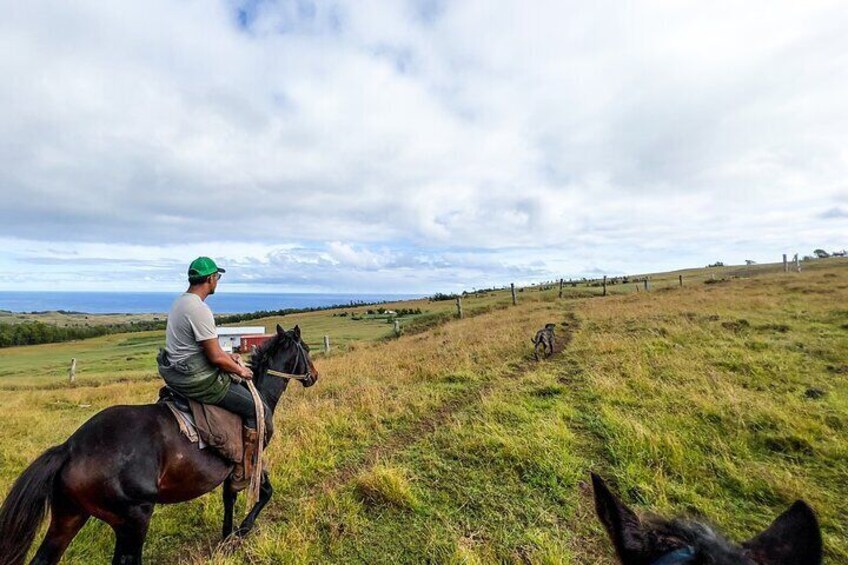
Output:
[[167, 394], [213, 426]]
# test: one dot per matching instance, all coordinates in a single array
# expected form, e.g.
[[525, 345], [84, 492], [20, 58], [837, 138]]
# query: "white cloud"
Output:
[[350, 143]]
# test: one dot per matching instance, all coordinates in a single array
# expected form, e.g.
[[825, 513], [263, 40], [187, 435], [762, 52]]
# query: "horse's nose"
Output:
[[314, 372]]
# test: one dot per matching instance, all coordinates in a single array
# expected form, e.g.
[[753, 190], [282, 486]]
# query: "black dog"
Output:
[[544, 341]]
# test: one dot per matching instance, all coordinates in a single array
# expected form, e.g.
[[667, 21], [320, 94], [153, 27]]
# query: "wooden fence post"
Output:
[[680, 278], [514, 299], [397, 328], [637, 288], [560, 287], [605, 285], [72, 372], [785, 263], [459, 306], [326, 344], [797, 263], [646, 284]]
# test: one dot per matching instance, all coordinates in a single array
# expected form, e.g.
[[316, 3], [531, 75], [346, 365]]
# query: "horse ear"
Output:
[[622, 525], [296, 332], [280, 329], [793, 537]]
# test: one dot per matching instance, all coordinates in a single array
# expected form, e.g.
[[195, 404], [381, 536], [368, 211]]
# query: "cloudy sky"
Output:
[[415, 146]]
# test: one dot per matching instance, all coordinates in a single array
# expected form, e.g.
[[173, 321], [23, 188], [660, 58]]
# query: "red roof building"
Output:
[[248, 342]]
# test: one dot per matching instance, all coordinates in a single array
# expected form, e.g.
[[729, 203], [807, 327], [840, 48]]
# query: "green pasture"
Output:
[[76, 319], [100, 359], [133, 355], [726, 399]]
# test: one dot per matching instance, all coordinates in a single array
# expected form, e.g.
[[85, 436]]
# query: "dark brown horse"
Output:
[[125, 460], [793, 538]]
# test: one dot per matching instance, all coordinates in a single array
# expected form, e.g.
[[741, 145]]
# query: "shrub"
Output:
[[383, 485]]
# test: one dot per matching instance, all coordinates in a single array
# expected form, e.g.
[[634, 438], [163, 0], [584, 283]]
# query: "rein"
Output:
[[259, 406], [256, 479], [302, 377]]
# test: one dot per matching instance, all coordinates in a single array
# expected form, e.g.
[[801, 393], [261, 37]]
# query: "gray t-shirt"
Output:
[[189, 322]]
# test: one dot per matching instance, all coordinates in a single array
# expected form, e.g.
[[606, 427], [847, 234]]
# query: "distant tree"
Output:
[[821, 253], [750, 262], [716, 264]]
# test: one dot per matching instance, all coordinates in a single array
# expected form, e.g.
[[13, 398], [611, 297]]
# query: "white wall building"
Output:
[[230, 338]]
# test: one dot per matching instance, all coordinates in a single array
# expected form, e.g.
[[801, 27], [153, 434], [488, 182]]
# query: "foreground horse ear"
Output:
[[280, 329], [794, 537], [622, 525], [296, 331]]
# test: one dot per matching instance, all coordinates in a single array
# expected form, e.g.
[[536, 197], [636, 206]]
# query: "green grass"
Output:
[[101, 359], [451, 445], [75, 319]]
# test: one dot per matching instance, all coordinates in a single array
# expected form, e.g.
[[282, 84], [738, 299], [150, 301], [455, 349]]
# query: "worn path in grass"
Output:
[[404, 438], [431, 422]]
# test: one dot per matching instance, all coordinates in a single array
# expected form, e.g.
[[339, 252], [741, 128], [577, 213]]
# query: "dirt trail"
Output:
[[402, 439], [590, 440]]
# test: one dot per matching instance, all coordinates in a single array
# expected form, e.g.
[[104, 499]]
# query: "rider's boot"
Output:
[[243, 470]]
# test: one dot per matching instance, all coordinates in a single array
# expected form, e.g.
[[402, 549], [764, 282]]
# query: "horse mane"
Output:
[[262, 355], [703, 538]]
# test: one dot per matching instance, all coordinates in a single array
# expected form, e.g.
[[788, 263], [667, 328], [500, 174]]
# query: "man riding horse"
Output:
[[127, 459], [194, 365]]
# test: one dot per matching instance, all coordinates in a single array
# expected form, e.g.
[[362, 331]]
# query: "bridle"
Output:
[[677, 557], [298, 377]]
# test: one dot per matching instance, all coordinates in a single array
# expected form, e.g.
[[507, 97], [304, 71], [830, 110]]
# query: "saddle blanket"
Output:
[[186, 422]]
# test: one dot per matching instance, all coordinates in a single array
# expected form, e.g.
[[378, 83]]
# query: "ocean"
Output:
[[159, 302]]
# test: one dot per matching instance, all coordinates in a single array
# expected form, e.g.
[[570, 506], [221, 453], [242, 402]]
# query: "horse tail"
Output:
[[26, 505]]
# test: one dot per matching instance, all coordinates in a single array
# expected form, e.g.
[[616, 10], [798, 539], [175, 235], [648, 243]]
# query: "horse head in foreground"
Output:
[[126, 459], [793, 538]]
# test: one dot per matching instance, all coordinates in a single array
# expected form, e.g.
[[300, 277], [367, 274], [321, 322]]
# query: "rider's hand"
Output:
[[245, 373]]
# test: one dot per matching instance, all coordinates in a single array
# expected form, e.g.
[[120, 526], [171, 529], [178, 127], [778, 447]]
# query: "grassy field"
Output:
[[727, 399], [123, 357], [75, 319], [132, 356], [118, 357]]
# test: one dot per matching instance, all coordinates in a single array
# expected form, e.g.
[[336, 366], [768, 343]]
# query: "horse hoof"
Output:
[[232, 541]]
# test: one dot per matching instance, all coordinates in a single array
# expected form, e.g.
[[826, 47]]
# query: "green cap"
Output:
[[203, 267]]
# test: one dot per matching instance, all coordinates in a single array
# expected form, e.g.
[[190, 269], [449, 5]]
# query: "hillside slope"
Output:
[[727, 399]]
